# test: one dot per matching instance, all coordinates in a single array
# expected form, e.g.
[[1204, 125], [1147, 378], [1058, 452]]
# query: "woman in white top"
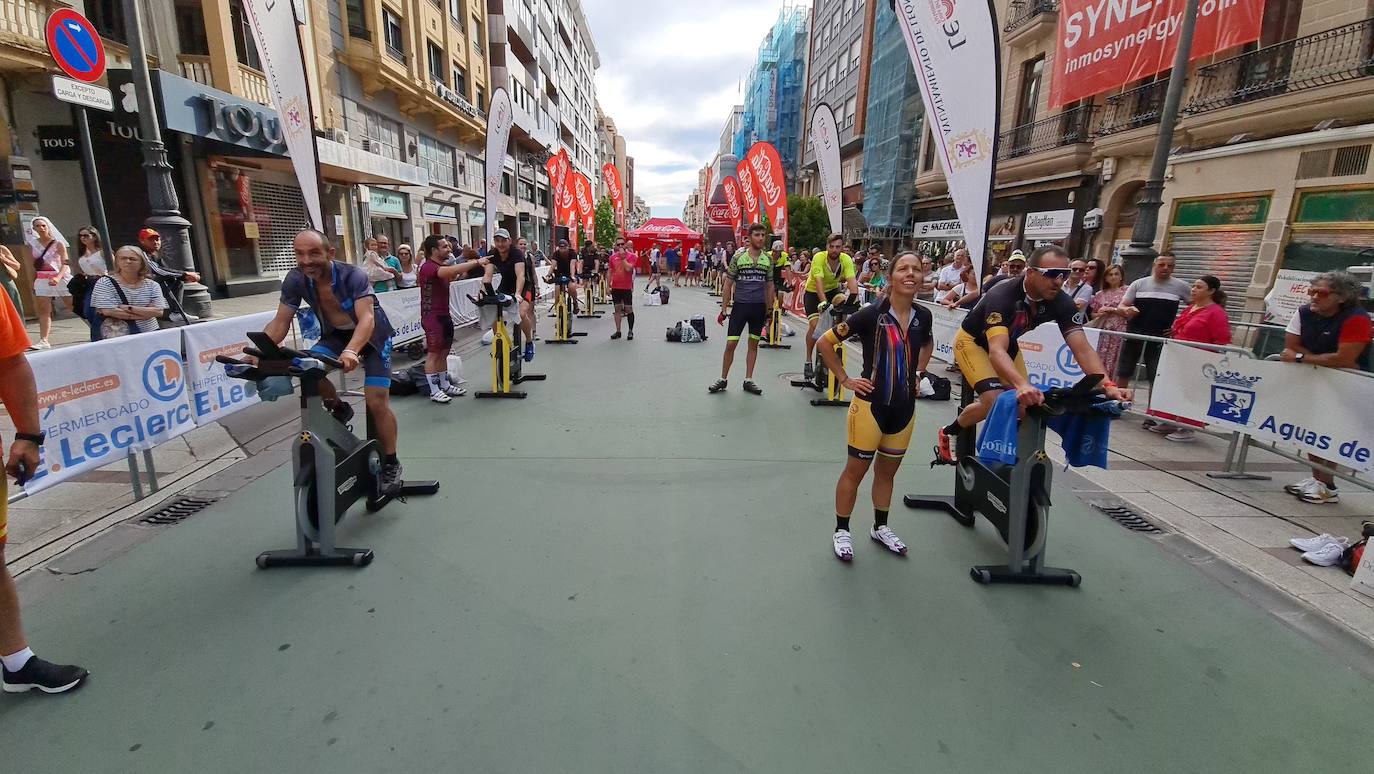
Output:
[[127, 299], [409, 268], [51, 273]]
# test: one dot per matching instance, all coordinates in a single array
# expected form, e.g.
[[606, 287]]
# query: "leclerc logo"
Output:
[[1067, 363], [163, 375]]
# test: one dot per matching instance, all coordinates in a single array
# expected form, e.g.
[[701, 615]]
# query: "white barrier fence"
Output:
[[1321, 411], [1049, 361]]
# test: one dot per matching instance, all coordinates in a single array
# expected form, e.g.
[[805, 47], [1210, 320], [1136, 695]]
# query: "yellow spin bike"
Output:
[[506, 361]]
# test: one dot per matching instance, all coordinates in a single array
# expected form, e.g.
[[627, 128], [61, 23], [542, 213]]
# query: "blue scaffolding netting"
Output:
[[775, 90], [892, 132]]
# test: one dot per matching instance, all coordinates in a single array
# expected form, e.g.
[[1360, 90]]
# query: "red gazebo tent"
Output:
[[663, 231]]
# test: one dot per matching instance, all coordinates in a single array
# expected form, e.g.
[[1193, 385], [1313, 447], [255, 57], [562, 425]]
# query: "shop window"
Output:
[[191, 29], [436, 63], [357, 19], [244, 47], [395, 34], [107, 16], [438, 159]]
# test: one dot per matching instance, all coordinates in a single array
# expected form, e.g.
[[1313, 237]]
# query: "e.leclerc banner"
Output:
[[100, 402], [766, 164], [275, 30], [1105, 44], [954, 52], [611, 177], [213, 393], [825, 145], [499, 117], [748, 193]]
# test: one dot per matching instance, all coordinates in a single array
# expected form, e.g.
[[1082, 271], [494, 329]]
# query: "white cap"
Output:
[[777, 245]]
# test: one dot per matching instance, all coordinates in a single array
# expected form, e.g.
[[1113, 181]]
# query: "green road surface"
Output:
[[624, 574]]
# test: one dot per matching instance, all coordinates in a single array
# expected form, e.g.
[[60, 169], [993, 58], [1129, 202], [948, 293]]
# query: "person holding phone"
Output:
[[22, 670]]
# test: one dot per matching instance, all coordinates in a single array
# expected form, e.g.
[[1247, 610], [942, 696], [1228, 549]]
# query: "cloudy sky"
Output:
[[670, 72]]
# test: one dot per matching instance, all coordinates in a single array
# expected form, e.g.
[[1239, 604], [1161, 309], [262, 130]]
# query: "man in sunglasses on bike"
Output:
[[986, 347]]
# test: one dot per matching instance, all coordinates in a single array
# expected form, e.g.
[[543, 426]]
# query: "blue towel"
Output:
[[1084, 436], [997, 441]]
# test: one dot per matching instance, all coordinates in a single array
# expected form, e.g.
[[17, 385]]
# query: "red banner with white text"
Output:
[[749, 193], [763, 160], [586, 210], [611, 177], [1106, 44]]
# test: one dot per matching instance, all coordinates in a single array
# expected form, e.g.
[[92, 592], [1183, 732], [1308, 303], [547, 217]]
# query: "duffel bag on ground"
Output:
[[941, 387]]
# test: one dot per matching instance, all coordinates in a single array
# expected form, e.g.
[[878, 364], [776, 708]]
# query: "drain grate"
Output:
[[178, 510], [1129, 519]]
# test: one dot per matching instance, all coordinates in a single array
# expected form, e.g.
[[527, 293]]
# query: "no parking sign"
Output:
[[75, 45]]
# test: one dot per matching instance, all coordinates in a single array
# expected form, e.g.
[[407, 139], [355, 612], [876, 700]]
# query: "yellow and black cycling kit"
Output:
[[881, 422], [1006, 310]]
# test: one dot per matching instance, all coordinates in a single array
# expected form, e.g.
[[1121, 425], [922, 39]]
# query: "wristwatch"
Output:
[[35, 439], [1301, 356]]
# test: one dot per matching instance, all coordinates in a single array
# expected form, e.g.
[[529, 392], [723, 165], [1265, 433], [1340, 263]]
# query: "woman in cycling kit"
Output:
[[895, 334]]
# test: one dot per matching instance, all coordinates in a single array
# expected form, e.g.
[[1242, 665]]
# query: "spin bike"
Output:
[[591, 284], [773, 337], [331, 468], [507, 363], [822, 380], [562, 311], [1016, 498]]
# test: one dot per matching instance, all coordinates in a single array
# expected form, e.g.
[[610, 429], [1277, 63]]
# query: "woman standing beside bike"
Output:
[[895, 334]]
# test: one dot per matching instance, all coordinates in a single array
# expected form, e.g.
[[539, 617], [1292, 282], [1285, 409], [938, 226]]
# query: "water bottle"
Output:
[[455, 369]]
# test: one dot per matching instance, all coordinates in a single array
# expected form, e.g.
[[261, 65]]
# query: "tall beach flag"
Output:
[[499, 118], [825, 145], [611, 177], [766, 164], [748, 193], [956, 58], [276, 31]]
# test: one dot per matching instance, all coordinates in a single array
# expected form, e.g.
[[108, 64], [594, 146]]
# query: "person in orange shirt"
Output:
[[22, 671]]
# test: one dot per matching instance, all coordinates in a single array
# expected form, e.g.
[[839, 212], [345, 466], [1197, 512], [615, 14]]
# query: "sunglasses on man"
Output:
[[1052, 274]]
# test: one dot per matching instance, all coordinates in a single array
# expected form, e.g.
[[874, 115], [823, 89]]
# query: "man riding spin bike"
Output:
[[516, 282], [564, 269], [986, 346], [354, 330], [433, 278], [895, 334], [624, 262], [828, 271], [749, 284]]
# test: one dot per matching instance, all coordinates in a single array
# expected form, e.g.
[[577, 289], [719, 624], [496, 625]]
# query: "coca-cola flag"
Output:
[[733, 199], [825, 145], [764, 162], [1105, 44], [749, 195], [954, 53], [586, 211], [611, 176]]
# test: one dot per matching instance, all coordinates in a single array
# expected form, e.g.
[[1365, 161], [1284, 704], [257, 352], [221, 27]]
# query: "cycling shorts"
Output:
[[974, 363], [751, 316], [811, 300], [376, 365], [438, 333], [562, 280], [622, 297], [878, 429]]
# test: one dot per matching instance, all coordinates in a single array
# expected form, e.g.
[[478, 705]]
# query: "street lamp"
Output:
[[1137, 257], [162, 194]]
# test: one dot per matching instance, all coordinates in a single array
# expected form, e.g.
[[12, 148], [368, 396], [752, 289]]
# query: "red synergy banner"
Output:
[[611, 176], [1106, 44], [763, 160], [748, 193]]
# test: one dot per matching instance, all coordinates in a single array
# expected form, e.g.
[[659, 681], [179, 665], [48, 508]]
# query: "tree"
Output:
[[607, 230], [808, 222]]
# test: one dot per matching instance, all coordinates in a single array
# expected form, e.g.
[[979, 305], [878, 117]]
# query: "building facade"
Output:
[[839, 45], [774, 91]]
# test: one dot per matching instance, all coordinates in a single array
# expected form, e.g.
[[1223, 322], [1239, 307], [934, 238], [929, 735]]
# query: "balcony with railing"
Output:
[[1029, 19], [1066, 128], [253, 85], [1322, 59], [22, 37], [196, 68]]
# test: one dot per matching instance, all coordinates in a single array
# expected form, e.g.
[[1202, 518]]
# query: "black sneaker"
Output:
[[752, 388], [615, 335], [808, 372], [342, 411], [630, 336], [719, 386], [44, 676], [391, 478]]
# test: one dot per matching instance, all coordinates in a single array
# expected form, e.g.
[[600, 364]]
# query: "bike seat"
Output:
[[500, 299]]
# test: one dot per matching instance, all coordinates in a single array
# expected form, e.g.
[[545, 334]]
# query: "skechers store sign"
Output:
[[100, 402], [194, 108]]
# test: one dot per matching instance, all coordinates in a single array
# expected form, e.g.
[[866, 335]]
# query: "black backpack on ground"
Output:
[[663, 294], [942, 386]]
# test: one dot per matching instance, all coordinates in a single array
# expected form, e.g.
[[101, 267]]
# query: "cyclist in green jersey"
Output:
[[828, 271]]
